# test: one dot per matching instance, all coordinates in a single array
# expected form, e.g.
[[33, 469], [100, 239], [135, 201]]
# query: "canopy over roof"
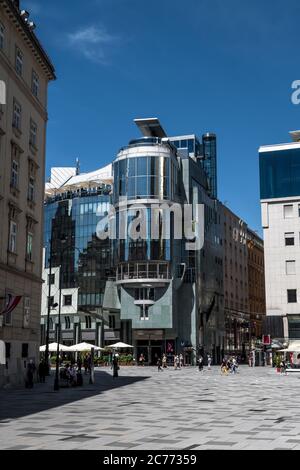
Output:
[[66, 179], [150, 127]]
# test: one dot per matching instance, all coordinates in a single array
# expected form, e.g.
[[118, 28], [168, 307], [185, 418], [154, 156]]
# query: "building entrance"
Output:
[[150, 350]]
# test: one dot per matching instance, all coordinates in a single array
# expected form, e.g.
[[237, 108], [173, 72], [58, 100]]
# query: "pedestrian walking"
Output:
[[42, 371], [30, 374], [209, 361], [200, 363], [224, 367], [142, 360], [115, 366], [176, 362], [164, 361], [159, 364], [180, 361]]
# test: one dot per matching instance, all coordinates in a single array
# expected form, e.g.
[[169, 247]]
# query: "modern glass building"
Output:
[[81, 263], [170, 295]]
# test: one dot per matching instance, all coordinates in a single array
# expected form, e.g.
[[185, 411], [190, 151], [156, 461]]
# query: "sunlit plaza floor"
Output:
[[146, 409]]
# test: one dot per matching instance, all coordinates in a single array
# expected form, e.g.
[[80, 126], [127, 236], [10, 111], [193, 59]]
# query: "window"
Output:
[[50, 301], [31, 189], [12, 237], [24, 350], [294, 326], [51, 279], [88, 322], [7, 350], [290, 267], [112, 322], [14, 178], [288, 211], [67, 300], [33, 133], [2, 32], [35, 84], [29, 246], [19, 62], [292, 296], [17, 113], [27, 312], [144, 312], [289, 238], [67, 323]]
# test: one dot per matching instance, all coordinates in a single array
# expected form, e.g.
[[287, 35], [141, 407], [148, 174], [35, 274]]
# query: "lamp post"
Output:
[[56, 380], [49, 305]]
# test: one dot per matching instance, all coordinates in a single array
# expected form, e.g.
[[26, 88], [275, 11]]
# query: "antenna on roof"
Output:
[[77, 166]]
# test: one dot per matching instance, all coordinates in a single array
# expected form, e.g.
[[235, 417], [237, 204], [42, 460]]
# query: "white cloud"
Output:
[[92, 42]]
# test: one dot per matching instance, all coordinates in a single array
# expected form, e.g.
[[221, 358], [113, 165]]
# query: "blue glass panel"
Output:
[[280, 174], [142, 166], [141, 186], [131, 167]]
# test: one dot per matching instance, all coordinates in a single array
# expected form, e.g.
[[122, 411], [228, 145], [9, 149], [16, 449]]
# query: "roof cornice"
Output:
[[29, 37]]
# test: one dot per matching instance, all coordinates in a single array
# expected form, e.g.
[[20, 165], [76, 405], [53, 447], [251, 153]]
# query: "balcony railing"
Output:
[[134, 271]]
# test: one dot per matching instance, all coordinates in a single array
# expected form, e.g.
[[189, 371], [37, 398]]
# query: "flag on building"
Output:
[[11, 304]]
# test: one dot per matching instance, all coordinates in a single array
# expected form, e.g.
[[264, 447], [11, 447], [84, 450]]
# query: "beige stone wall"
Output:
[[18, 275]]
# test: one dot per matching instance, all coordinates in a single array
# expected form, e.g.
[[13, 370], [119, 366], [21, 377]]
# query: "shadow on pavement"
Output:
[[22, 402]]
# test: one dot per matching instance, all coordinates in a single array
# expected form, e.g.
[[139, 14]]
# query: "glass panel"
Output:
[[288, 211], [167, 167], [141, 187], [290, 267], [131, 167], [142, 166], [280, 173], [131, 187]]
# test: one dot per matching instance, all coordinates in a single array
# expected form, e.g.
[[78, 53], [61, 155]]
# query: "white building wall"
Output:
[[277, 253]]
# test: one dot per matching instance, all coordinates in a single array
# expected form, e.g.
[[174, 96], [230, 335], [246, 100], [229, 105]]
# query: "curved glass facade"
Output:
[[84, 259], [151, 177], [143, 249]]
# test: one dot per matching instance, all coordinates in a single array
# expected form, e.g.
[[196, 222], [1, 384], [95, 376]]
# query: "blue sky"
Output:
[[199, 65]]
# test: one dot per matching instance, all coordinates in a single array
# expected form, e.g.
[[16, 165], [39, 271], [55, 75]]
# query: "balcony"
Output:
[[137, 273]]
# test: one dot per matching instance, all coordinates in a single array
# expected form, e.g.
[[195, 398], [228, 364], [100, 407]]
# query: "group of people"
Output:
[[162, 363], [229, 365], [71, 373]]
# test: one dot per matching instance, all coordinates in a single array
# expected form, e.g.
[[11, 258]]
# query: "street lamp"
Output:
[[56, 380], [49, 305]]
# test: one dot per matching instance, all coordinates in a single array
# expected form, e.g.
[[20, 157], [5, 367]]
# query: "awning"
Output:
[[53, 348], [118, 346], [294, 346], [84, 347]]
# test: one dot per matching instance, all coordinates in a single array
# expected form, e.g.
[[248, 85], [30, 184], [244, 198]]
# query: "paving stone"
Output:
[[147, 410]]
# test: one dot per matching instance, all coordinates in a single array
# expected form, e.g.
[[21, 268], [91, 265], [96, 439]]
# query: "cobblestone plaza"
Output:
[[145, 409]]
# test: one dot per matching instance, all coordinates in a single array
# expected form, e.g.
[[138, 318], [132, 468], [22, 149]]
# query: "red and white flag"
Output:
[[11, 304]]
